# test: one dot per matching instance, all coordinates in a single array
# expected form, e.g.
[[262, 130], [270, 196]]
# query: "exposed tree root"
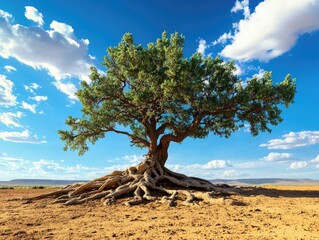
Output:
[[141, 183]]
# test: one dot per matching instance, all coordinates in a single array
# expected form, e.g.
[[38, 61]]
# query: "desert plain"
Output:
[[267, 212]]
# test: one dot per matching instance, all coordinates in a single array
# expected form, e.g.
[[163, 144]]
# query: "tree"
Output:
[[155, 96]]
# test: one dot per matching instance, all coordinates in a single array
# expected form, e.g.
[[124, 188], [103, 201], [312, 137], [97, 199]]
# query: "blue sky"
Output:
[[46, 48]]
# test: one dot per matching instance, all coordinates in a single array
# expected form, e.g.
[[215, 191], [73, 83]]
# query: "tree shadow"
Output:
[[272, 192]]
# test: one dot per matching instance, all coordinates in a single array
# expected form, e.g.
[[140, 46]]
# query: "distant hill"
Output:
[[38, 182], [234, 182], [266, 181]]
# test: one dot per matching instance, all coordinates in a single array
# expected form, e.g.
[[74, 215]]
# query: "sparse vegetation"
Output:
[[38, 187], [6, 187]]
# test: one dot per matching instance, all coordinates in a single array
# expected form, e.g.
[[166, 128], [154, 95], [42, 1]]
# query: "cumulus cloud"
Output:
[[223, 39], [246, 127], [54, 170], [315, 159], [133, 158], [57, 50], [271, 29], [30, 88], [298, 165], [211, 169], [10, 119], [7, 98], [20, 137], [34, 15], [202, 47], [260, 74], [9, 68], [40, 98], [12, 164], [230, 174], [293, 140], [214, 164], [5, 15], [277, 157], [67, 88], [130, 159], [241, 6], [250, 165], [27, 106], [46, 166], [238, 71]]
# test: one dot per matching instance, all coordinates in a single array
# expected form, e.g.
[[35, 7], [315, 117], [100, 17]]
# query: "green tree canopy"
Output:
[[155, 95]]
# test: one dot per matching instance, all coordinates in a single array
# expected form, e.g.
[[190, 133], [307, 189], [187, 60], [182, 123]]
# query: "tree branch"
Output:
[[135, 139], [180, 136]]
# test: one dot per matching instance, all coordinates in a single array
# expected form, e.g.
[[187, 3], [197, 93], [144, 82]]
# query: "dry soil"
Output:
[[271, 212]]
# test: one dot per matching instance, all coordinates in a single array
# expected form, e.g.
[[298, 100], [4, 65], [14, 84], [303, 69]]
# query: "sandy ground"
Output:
[[260, 213]]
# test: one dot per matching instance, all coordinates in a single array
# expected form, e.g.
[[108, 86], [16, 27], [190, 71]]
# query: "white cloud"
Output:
[[202, 47], [46, 166], [250, 165], [34, 86], [272, 29], [10, 119], [133, 158], [238, 71], [212, 169], [30, 107], [246, 127], [56, 50], [6, 96], [20, 137], [67, 88], [40, 98], [298, 165], [315, 159], [54, 170], [275, 157], [86, 42], [15, 167], [31, 87], [5, 15], [10, 68], [34, 15], [223, 38], [71, 103], [293, 140], [12, 164], [230, 174], [214, 164], [242, 6], [66, 31], [92, 57], [260, 74]]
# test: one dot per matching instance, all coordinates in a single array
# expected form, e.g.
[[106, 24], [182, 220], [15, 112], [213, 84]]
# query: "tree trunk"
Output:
[[161, 154]]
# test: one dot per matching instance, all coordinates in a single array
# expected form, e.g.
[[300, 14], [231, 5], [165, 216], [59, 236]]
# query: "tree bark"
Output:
[[161, 154]]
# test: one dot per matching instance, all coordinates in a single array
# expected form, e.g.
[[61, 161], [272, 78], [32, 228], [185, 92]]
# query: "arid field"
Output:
[[271, 212]]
